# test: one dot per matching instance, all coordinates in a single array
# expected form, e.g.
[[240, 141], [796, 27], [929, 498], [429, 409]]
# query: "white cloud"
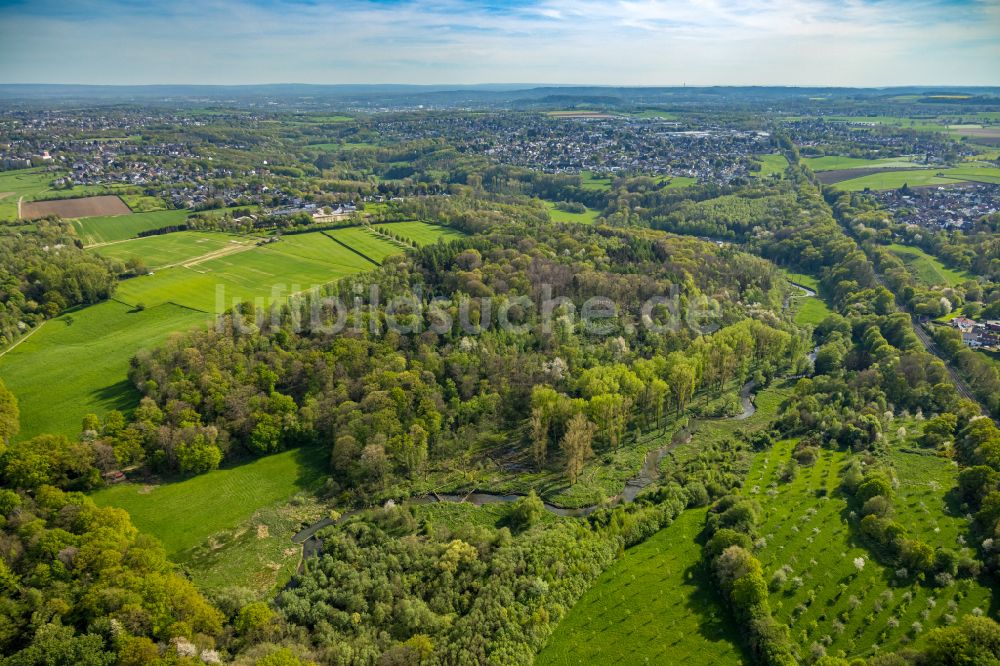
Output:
[[845, 42]]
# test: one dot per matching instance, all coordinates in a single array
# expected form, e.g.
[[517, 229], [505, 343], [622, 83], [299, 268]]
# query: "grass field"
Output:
[[140, 203], [27, 183], [895, 179], [836, 162], [928, 269], [183, 514], [97, 230], [591, 181], [588, 217], [77, 363], [677, 182], [366, 242], [273, 271], [826, 600], [423, 233], [652, 606], [255, 553], [166, 249], [772, 164], [809, 310], [921, 501]]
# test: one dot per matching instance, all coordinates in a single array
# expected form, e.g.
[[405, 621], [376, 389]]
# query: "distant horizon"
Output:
[[509, 85]]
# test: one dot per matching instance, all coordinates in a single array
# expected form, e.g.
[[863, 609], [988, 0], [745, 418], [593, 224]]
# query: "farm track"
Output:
[[232, 248], [23, 338]]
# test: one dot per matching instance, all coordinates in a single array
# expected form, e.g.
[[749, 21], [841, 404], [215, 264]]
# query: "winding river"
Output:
[[648, 474]]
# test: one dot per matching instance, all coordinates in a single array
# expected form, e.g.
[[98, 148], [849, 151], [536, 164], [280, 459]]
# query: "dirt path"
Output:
[[231, 248], [23, 338]]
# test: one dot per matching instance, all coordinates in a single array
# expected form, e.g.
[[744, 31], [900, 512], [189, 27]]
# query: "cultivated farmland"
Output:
[[177, 248], [78, 363], [831, 592], [365, 242], [267, 273], [837, 163], [888, 180], [106, 205], [100, 230]]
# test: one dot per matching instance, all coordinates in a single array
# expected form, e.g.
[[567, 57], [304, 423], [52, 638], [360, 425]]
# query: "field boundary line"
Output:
[[175, 303], [22, 339], [357, 252]]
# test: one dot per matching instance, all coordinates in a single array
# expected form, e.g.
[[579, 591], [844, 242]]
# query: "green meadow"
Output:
[[928, 269], [366, 242], [677, 182], [78, 363], [771, 165], [167, 249], [588, 217], [28, 183], [423, 233], [140, 203], [809, 310], [591, 181], [184, 514], [655, 605], [894, 179], [99, 230], [270, 272]]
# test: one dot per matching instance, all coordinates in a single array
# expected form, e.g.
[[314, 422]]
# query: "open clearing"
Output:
[[423, 233], [771, 165], [590, 181], [809, 310], [105, 205], [173, 249], [78, 363], [655, 605], [266, 274], [588, 217], [928, 269], [804, 526], [183, 514]]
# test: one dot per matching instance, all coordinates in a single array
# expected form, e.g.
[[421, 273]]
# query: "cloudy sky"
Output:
[[629, 42]]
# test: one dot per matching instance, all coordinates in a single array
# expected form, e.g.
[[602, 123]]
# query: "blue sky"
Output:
[[618, 42]]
